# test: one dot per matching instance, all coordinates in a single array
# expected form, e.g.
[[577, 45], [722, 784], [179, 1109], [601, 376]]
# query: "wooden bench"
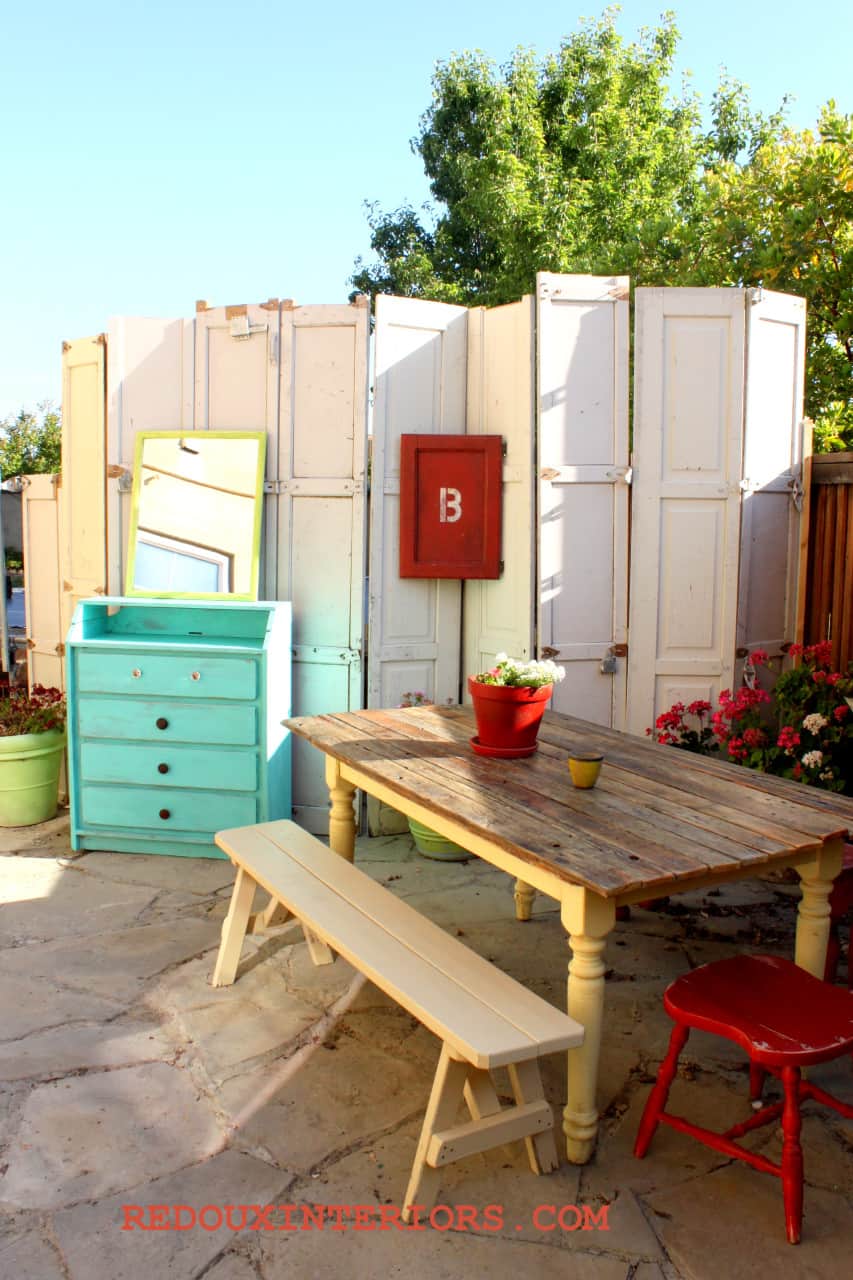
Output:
[[483, 1017]]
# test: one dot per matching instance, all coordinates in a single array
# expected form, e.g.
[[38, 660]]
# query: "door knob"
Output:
[[164, 813], [162, 768], [162, 723]]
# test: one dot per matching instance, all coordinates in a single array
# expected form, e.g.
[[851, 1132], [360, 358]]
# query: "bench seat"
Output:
[[484, 1018]]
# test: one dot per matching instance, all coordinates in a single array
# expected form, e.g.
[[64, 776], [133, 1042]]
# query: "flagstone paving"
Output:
[[127, 1081]]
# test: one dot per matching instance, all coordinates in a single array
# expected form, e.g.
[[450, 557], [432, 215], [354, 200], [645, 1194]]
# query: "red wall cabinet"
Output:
[[450, 506]]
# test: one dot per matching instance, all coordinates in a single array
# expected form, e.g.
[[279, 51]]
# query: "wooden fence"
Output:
[[829, 582]]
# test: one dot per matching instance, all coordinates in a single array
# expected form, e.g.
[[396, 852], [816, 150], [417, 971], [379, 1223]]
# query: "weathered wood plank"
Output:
[[611, 819]]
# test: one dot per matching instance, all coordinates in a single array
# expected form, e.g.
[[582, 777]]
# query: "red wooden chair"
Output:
[[785, 1020], [840, 904]]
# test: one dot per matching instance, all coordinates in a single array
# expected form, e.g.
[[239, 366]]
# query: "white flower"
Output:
[[512, 671], [815, 722], [812, 759]]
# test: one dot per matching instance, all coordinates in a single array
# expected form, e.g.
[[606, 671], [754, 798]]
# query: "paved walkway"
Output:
[[127, 1082]]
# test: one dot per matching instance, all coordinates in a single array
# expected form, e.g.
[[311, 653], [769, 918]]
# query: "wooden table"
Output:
[[659, 821]]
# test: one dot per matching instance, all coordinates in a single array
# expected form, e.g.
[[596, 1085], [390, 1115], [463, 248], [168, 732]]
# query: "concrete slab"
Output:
[[33, 1004], [226, 1035], [45, 837], [88, 1136], [94, 1246], [30, 1257], [336, 1095], [121, 962], [58, 1052], [731, 1223], [439, 1254], [314, 1070], [158, 872], [45, 901], [234, 1266]]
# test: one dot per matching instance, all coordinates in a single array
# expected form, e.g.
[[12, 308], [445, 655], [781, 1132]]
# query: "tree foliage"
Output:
[[785, 221], [584, 161], [31, 442]]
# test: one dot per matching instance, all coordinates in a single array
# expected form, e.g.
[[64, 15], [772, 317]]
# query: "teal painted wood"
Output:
[[173, 764], [106, 716], [174, 723], [162, 809], [183, 675]]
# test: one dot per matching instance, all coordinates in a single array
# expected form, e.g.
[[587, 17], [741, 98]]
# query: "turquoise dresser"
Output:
[[174, 722]]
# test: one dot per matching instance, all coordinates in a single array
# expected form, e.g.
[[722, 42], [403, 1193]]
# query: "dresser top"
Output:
[[203, 623]]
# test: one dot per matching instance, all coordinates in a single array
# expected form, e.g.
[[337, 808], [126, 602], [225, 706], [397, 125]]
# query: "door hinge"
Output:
[[548, 651], [60, 649]]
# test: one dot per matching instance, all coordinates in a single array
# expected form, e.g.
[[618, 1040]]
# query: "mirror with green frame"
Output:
[[195, 523]]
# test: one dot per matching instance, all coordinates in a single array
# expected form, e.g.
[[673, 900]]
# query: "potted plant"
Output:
[[509, 702], [427, 841], [32, 740]]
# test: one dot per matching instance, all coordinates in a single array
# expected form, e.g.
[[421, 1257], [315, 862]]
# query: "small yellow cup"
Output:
[[585, 768]]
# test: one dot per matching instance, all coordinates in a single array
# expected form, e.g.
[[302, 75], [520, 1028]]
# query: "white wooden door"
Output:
[[772, 472], [498, 614], [688, 420], [42, 595], [320, 501], [582, 393], [415, 623], [150, 380], [237, 353], [82, 548]]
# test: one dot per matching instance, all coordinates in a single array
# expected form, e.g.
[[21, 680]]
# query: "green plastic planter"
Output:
[[29, 777], [432, 845]]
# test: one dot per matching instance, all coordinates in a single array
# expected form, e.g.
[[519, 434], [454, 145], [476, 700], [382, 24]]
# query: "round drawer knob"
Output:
[[162, 722], [162, 768], [164, 813], [196, 675], [136, 673]]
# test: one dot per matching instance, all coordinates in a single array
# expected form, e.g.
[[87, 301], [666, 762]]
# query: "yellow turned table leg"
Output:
[[341, 814], [524, 895], [587, 919], [813, 915]]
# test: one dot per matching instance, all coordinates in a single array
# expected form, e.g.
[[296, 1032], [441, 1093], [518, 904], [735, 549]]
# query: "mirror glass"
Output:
[[195, 525]]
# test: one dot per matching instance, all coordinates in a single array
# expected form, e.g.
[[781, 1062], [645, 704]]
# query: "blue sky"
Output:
[[160, 151]]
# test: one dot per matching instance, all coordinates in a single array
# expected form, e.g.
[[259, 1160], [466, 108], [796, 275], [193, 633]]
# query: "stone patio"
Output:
[[127, 1080]]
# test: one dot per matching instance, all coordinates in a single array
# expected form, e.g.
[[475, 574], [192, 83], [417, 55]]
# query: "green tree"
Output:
[[31, 442], [580, 162], [584, 162], [784, 220]]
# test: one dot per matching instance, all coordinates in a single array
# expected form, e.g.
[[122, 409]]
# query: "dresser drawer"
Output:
[[179, 675], [125, 718], [141, 808], [170, 765]]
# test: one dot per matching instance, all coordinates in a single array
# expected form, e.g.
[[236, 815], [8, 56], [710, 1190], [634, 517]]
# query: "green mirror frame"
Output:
[[253, 551]]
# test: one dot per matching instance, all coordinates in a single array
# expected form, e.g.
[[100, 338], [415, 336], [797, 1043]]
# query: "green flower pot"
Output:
[[432, 845], [29, 777]]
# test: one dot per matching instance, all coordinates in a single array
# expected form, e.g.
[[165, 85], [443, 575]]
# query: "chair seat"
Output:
[[777, 1012]]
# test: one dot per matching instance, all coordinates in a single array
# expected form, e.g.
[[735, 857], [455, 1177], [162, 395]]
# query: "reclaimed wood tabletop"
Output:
[[659, 821]]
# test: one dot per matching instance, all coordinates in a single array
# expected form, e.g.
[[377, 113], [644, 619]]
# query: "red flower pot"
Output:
[[508, 716]]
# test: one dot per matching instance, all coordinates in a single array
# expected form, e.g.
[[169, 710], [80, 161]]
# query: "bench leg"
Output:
[[274, 913], [480, 1097], [321, 952], [444, 1100], [234, 929], [526, 1084], [524, 896]]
